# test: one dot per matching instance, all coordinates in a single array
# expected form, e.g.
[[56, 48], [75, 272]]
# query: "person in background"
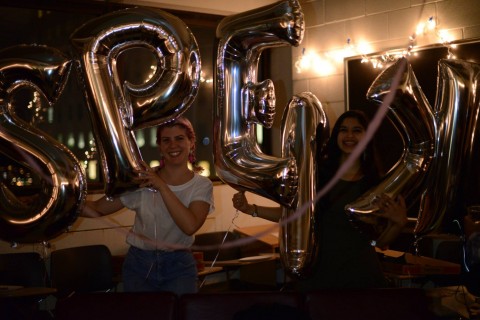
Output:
[[171, 204], [346, 258]]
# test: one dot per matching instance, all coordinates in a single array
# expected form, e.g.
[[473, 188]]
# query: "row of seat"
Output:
[[87, 268], [372, 304], [77, 269]]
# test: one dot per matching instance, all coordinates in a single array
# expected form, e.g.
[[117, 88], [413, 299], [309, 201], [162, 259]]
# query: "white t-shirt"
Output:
[[154, 228]]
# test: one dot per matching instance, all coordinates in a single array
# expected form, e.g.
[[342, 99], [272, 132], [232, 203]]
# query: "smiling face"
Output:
[[349, 134], [174, 145]]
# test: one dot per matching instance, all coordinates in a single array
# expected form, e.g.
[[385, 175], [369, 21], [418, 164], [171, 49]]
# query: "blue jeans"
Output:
[[156, 270]]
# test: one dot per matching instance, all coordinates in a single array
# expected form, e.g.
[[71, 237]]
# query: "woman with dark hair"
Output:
[[171, 204], [346, 258], [336, 152]]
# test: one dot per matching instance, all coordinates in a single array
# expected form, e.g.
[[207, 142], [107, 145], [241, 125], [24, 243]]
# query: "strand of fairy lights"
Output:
[[324, 64]]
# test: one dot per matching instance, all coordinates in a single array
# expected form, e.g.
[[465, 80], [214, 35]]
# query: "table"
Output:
[[254, 270], [25, 292], [244, 261], [411, 270], [209, 270], [266, 243]]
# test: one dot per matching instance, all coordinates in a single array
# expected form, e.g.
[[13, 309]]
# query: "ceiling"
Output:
[[218, 7]]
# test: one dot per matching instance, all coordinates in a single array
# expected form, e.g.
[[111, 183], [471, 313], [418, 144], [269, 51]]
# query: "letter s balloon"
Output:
[[116, 108], [58, 178]]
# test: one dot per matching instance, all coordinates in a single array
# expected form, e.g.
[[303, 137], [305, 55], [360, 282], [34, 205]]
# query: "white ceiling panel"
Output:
[[219, 7]]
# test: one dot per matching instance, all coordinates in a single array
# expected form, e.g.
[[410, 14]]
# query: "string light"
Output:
[[321, 65], [324, 64], [423, 28], [90, 164], [208, 80], [37, 109]]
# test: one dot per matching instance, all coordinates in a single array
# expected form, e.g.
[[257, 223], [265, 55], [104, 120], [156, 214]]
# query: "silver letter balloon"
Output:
[[117, 109], [243, 102], [60, 197]]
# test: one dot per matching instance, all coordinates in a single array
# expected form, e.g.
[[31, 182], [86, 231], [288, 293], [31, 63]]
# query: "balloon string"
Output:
[[155, 219], [224, 238], [221, 244]]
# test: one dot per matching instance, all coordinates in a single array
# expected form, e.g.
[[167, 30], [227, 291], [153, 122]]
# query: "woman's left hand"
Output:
[[394, 210], [148, 178]]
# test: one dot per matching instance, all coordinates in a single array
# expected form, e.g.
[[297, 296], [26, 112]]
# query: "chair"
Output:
[[25, 269], [81, 269]]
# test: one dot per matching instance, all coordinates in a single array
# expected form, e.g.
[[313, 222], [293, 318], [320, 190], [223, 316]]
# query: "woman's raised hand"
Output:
[[240, 202]]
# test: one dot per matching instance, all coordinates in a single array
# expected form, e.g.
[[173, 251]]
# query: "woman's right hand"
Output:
[[240, 202]]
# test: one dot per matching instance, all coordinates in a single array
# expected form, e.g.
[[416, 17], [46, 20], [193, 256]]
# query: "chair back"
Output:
[[25, 269], [218, 238], [81, 269]]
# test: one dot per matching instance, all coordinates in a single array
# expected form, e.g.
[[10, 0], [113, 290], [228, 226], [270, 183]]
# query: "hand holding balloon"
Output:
[[148, 178], [384, 221], [240, 202], [395, 210]]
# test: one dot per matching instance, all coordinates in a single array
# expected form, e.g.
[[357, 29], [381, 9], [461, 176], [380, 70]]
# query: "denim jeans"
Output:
[[156, 270]]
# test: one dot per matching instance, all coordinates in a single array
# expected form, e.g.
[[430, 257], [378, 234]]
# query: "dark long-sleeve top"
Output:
[[345, 257]]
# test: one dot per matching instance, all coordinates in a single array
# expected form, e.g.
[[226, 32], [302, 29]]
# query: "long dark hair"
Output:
[[329, 159]]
